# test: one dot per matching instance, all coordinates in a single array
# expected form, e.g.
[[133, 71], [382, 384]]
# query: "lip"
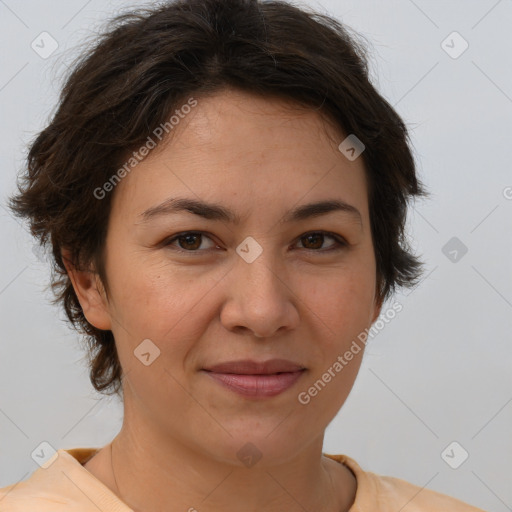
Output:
[[256, 379], [250, 367]]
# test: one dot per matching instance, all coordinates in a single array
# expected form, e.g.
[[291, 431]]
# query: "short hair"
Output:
[[142, 68]]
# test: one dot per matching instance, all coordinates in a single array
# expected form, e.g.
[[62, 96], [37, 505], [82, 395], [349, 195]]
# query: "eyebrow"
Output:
[[213, 211]]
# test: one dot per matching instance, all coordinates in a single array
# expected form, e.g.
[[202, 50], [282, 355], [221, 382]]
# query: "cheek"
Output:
[[168, 307], [163, 315], [341, 301], [341, 311]]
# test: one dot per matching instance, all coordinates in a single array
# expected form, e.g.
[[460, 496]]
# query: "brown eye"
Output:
[[314, 241], [189, 241]]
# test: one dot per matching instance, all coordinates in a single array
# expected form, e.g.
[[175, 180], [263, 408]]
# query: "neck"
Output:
[[152, 475]]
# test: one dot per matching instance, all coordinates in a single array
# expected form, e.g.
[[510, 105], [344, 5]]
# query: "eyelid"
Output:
[[341, 243]]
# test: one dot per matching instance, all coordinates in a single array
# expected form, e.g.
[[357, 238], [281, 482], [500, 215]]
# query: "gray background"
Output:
[[439, 372]]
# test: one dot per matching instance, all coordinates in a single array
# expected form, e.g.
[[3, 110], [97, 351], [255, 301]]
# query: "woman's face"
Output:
[[255, 287]]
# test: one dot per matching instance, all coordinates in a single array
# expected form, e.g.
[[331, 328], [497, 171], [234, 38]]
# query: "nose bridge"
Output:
[[260, 301], [258, 267]]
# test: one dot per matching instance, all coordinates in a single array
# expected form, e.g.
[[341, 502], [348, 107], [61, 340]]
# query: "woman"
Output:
[[225, 194]]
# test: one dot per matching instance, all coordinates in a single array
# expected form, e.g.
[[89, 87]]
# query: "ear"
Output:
[[90, 292]]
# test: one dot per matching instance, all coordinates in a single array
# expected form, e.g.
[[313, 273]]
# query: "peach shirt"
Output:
[[66, 486]]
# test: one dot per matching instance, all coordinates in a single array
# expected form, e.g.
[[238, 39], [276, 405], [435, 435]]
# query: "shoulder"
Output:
[[60, 485], [389, 494], [412, 498], [20, 497]]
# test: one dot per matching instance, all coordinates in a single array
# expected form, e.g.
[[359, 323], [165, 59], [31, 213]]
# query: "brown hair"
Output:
[[146, 65]]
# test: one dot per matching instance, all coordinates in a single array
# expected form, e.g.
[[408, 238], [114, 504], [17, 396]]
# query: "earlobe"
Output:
[[90, 293]]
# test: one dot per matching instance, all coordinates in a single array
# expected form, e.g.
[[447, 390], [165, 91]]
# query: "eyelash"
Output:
[[340, 242]]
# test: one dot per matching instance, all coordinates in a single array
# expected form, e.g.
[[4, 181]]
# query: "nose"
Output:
[[260, 298]]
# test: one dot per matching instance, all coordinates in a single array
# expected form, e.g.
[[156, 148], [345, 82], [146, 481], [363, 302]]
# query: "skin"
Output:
[[177, 448]]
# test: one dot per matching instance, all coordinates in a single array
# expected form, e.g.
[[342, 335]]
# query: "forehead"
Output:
[[241, 147], [228, 117]]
